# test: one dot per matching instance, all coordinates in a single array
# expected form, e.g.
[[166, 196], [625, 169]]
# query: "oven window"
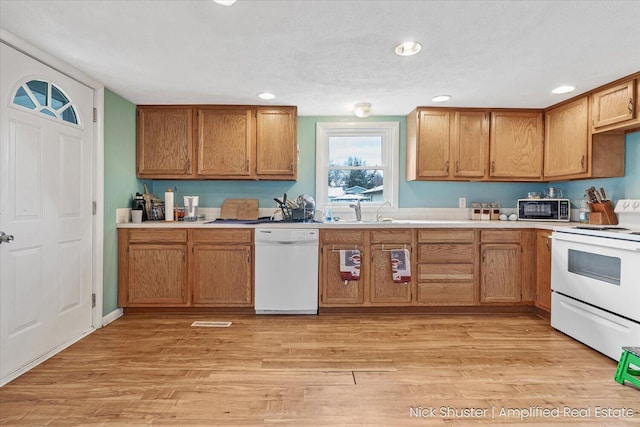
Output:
[[599, 267]]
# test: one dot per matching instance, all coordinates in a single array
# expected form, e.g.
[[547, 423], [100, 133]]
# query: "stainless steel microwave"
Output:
[[544, 209]]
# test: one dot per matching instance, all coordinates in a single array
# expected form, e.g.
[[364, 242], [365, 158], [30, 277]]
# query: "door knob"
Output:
[[5, 238]]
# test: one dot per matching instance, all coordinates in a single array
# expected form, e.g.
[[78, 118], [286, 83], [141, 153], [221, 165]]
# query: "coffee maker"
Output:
[[140, 205]]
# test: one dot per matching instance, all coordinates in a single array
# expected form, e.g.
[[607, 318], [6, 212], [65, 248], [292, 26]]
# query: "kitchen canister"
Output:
[[168, 205]]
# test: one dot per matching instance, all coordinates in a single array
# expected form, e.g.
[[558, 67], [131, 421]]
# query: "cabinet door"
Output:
[[334, 290], [543, 270], [433, 143], [516, 145], [157, 275], [382, 287], [614, 105], [566, 147], [470, 144], [276, 144], [500, 278], [225, 143], [164, 142], [222, 276]]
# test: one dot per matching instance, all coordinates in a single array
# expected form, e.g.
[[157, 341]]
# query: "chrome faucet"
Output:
[[358, 209], [378, 216]]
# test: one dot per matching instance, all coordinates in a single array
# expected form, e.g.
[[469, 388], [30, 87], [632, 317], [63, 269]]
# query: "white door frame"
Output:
[[98, 157]]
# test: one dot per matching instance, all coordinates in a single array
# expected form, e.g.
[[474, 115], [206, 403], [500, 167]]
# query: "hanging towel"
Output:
[[350, 264], [400, 265]]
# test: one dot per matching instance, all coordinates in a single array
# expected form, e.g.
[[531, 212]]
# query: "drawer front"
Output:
[[244, 236], [445, 252], [391, 236], [342, 236], [446, 235], [148, 235], [500, 236], [446, 293], [445, 272]]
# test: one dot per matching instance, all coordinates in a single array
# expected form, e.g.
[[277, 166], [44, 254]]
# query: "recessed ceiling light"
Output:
[[266, 95], [441, 98], [408, 48], [563, 89], [362, 110], [225, 2]]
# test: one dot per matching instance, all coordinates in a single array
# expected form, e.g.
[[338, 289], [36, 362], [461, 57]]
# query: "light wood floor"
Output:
[[332, 370]]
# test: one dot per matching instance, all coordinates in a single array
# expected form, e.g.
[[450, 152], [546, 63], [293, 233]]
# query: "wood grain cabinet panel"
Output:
[[567, 139], [615, 104], [222, 275], [516, 145], [276, 146], [470, 144], [428, 144], [543, 270], [333, 290], [164, 146], [500, 275], [382, 287], [225, 143], [158, 275]]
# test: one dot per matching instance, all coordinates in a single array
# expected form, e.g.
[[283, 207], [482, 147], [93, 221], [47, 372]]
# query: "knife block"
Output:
[[602, 213]]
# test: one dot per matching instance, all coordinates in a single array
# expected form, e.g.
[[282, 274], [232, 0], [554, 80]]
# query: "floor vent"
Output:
[[211, 324]]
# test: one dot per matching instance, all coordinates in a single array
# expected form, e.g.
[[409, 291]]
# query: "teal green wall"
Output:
[[121, 182]]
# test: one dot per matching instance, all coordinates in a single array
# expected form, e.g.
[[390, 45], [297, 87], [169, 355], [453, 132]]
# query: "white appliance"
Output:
[[595, 273], [286, 271]]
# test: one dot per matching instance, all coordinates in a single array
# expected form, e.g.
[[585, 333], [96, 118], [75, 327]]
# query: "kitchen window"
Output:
[[357, 162]]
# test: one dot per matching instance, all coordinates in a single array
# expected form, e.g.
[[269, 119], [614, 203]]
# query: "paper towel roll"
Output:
[[168, 205]]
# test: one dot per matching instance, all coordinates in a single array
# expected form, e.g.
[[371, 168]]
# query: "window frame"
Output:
[[390, 134]]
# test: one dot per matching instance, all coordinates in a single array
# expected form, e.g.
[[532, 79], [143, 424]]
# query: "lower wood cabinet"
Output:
[[500, 273], [152, 268], [543, 270], [185, 268], [375, 285], [222, 268], [446, 267]]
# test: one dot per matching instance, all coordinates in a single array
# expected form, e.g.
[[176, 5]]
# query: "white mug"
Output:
[[136, 216]]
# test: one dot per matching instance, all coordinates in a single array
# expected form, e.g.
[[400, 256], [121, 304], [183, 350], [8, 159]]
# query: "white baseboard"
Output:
[[115, 314]]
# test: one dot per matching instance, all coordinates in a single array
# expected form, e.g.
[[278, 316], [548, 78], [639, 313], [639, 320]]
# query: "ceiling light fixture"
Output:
[[441, 98], [408, 48], [563, 89], [266, 95], [225, 2], [362, 110]]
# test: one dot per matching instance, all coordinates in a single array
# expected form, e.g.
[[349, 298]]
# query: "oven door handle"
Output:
[[603, 242]]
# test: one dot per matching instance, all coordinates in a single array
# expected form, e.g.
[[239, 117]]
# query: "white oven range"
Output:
[[595, 279]]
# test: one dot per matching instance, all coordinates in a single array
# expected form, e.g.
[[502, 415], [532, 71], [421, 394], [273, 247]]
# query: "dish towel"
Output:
[[349, 264], [400, 265]]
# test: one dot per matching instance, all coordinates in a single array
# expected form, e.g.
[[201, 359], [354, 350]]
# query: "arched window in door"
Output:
[[46, 98]]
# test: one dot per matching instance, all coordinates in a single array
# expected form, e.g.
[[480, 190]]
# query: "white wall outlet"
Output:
[[462, 202]]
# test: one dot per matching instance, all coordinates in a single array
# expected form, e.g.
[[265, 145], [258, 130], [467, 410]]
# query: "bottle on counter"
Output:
[[584, 210], [327, 213]]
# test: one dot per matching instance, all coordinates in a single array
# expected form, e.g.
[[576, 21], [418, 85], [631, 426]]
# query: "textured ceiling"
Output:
[[325, 56]]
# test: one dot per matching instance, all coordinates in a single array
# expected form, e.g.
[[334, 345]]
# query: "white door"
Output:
[[46, 175]]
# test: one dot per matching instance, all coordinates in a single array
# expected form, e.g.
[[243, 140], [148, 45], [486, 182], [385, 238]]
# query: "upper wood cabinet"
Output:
[[516, 145], [571, 151], [616, 106], [447, 144], [164, 142], [567, 139], [276, 147], [225, 143], [217, 142]]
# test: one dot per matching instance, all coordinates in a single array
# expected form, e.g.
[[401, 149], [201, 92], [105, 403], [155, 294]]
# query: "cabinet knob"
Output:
[[446, 166], [631, 105], [246, 165], [493, 166], [582, 161], [457, 165]]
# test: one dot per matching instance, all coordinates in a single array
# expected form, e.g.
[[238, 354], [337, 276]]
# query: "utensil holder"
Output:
[[602, 213]]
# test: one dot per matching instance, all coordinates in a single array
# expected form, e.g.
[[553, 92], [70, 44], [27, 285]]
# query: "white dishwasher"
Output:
[[286, 271]]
